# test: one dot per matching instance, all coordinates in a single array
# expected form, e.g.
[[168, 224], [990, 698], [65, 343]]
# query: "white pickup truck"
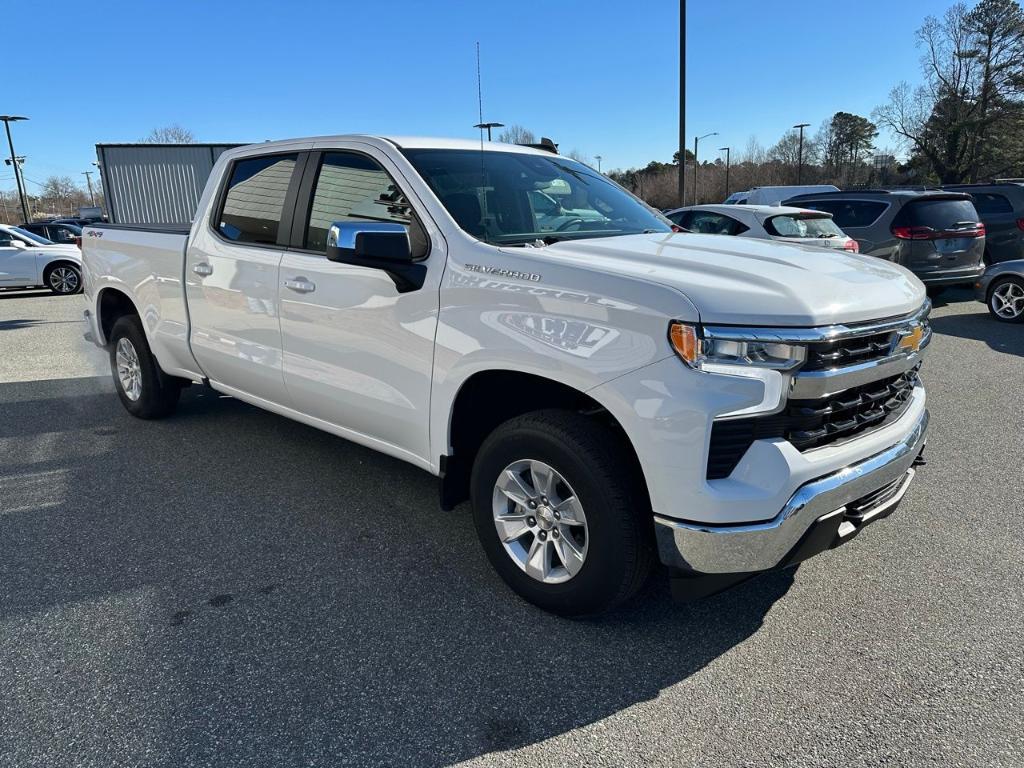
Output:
[[605, 390]]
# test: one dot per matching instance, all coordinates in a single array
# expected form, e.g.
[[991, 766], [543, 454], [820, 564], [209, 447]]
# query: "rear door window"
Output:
[[710, 223], [937, 214], [847, 213], [989, 203], [254, 202]]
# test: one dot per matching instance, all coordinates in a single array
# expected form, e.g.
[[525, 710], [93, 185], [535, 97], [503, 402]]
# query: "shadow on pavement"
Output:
[[981, 326], [230, 587], [25, 293]]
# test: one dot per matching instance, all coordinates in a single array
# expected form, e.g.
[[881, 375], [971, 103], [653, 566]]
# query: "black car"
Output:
[[56, 232], [1001, 207], [936, 234]]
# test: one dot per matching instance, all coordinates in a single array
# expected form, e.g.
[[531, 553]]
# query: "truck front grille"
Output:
[[811, 424], [848, 351]]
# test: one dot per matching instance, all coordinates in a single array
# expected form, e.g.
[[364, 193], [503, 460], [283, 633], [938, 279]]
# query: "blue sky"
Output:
[[601, 77]]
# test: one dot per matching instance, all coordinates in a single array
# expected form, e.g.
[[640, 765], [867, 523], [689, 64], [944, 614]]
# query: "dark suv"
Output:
[[936, 234], [56, 232], [1001, 207]]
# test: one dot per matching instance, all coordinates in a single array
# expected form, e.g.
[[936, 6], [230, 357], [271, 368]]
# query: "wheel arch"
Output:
[[489, 398], [111, 305]]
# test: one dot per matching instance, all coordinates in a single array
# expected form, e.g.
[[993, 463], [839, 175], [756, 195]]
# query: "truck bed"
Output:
[[150, 260]]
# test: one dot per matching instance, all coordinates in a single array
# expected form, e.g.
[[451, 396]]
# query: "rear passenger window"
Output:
[[989, 202], [255, 199], [847, 213], [353, 187]]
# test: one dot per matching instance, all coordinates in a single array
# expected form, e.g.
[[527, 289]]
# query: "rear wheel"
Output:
[[63, 279], [1006, 300], [561, 512], [145, 390]]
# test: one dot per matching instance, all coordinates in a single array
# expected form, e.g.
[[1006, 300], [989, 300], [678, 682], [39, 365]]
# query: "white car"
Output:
[[765, 222], [28, 260]]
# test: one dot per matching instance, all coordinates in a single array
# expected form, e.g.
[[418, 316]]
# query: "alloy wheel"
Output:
[[129, 372], [64, 280], [1007, 300], [540, 521]]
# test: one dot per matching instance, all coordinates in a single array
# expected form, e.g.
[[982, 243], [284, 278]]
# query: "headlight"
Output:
[[713, 354]]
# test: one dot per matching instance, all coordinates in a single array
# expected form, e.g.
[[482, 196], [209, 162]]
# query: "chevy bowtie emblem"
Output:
[[910, 340]]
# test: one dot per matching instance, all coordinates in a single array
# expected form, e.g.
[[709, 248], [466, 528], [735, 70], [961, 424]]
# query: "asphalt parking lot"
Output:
[[227, 587]]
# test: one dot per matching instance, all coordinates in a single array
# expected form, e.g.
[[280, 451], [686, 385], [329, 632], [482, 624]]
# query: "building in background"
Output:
[[155, 183]]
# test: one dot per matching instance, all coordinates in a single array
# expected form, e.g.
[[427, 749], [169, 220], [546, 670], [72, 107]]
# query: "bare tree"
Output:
[[170, 134], [517, 134], [580, 157]]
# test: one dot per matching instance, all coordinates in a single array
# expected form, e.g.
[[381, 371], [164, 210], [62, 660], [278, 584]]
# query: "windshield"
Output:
[[802, 226], [513, 198], [24, 234]]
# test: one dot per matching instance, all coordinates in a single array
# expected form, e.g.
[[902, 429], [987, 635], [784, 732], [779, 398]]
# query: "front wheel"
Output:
[[561, 512], [145, 390], [63, 279], [1006, 300]]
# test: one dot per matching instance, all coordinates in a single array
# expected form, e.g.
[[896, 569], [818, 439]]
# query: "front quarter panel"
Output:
[[515, 310]]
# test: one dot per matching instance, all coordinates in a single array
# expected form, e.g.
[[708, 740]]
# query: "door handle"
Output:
[[203, 269], [300, 285]]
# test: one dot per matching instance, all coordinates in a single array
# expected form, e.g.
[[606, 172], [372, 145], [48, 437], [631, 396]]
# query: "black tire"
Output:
[[602, 473], [158, 393], [996, 285], [63, 278]]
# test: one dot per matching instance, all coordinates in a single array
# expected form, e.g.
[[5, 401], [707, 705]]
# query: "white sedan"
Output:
[[766, 222], [28, 260]]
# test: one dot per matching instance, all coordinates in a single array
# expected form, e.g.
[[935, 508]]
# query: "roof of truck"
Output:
[[411, 142]]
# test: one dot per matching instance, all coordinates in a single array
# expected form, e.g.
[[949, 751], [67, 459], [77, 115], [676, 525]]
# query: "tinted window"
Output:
[[989, 202], [846, 213], [937, 214], [255, 198], [802, 226], [677, 217], [351, 187], [490, 196]]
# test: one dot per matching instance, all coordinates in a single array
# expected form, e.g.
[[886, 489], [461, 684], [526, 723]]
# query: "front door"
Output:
[[232, 274], [17, 263], [357, 353]]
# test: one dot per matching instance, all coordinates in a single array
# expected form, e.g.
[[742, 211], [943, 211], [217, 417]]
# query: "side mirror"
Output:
[[18, 243], [377, 245]]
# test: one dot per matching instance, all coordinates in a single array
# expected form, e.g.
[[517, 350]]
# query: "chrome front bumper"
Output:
[[829, 510]]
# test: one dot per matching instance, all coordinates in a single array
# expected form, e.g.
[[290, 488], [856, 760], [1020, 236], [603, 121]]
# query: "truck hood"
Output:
[[743, 281]]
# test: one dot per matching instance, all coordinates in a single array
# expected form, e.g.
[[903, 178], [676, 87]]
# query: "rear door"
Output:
[[942, 235], [231, 273], [358, 354]]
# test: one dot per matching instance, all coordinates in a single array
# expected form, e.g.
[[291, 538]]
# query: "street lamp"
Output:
[[800, 152], [8, 119], [728, 151], [488, 126], [696, 142], [598, 158]]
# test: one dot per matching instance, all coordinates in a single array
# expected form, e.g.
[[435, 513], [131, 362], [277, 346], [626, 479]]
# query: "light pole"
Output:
[[800, 152], [696, 142], [682, 101], [488, 126], [8, 119], [598, 158], [728, 152], [88, 180]]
